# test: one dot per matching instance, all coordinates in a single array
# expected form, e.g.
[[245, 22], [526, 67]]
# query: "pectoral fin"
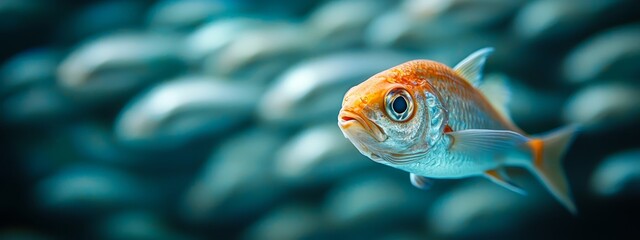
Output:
[[420, 181], [490, 142], [500, 177]]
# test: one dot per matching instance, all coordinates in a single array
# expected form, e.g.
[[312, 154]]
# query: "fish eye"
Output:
[[399, 104]]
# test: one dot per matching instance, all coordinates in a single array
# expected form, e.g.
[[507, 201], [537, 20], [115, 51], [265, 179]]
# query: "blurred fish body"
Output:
[[618, 174], [453, 215], [87, 190], [233, 180], [339, 24], [614, 53], [368, 200], [180, 110], [285, 40], [119, 64], [603, 106], [317, 155], [28, 90], [437, 122], [137, 225], [309, 91], [294, 221], [419, 23], [27, 69], [168, 15], [212, 38]]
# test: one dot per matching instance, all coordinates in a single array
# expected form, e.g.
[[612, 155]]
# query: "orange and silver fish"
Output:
[[434, 121]]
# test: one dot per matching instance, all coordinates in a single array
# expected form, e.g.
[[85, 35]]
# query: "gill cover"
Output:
[[437, 115]]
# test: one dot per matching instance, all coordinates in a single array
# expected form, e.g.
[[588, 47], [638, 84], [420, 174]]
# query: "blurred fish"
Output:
[[340, 24], [614, 53], [31, 68], [211, 38], [317, 155], [433, 121], [183, 109], [371, 200], [237, 182], [96, 142], [272, 43], [137, 225], [561, 22], [604, 106], [471, 13], [419, 24], [533, 106], [478, 208], [116, 65], [99, 18], [310, 91], [40, 104], [392, 28], [291, 221], [554, 20], [83, 190], [618, 174], [28, 89], [172, 15]]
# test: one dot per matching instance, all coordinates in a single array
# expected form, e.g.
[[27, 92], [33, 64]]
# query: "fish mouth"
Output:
[[348, 119]]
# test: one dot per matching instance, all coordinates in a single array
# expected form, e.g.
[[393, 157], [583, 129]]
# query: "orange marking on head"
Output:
[[415, 73], [537, 147]]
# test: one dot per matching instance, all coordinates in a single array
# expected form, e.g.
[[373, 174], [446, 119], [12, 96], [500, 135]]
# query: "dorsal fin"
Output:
[[495, 89], [471, 67]]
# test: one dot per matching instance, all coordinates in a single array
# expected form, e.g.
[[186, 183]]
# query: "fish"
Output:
[[438, 122], [116, 66], [452, 215], [316, 156], [617, 175], [182, 109], [604, 106], [276, 224], [232, 182], [611, 54], [354, 203], [126, 225]]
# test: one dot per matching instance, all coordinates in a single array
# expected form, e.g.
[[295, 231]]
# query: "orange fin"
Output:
[[547, 153], [499, 176]]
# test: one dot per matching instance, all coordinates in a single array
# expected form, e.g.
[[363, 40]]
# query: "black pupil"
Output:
[[399, 105]]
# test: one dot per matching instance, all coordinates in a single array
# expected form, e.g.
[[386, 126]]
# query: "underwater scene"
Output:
[[310, 119]]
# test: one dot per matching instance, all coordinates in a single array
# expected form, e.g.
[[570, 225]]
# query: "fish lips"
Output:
[[348, 120]]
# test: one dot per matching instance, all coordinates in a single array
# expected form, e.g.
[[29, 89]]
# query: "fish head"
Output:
[[386, 119]]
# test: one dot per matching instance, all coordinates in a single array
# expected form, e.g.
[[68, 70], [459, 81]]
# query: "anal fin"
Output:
[[499, 176]]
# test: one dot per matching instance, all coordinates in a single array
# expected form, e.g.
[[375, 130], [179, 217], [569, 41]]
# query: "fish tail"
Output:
[[548, 151]]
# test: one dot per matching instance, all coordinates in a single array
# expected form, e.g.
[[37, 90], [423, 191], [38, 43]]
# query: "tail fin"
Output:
[[548, 152]]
